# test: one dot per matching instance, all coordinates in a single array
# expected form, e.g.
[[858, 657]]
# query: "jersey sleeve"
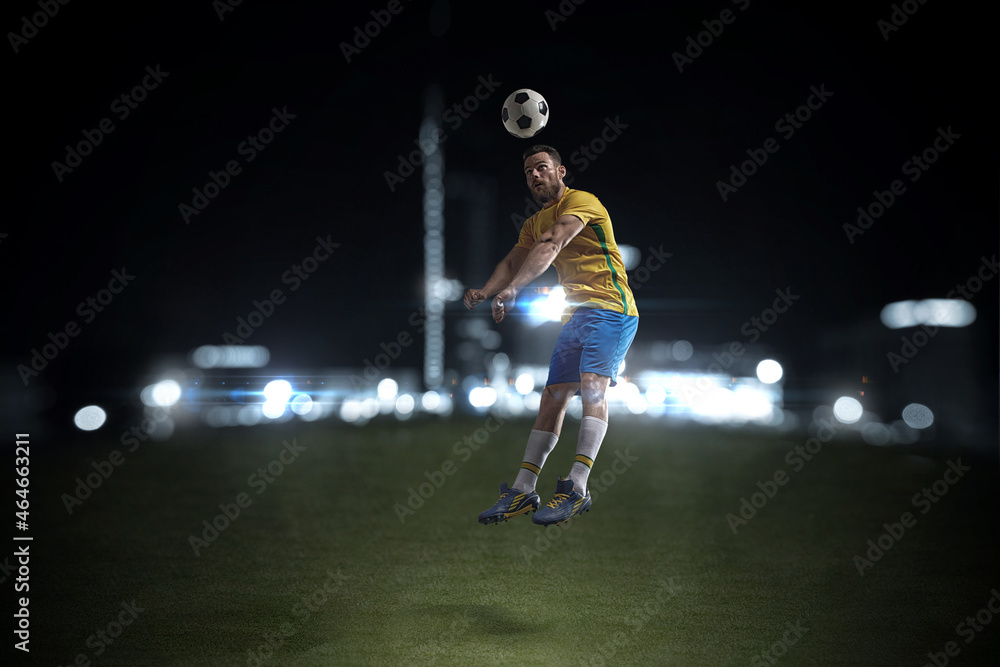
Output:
[[583, 205], [527, 237]]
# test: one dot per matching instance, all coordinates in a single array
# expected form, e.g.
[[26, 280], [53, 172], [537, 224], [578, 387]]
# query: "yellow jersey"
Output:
[[590, 267]]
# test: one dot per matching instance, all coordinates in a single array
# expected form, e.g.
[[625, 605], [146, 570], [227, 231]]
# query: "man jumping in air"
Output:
[[573, 233]]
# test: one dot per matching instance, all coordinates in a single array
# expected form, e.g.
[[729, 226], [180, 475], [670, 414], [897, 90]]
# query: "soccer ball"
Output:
[[525, 113]]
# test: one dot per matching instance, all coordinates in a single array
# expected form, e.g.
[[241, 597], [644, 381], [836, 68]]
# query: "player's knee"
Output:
[[555, 394], [593, 387], [593, 393]]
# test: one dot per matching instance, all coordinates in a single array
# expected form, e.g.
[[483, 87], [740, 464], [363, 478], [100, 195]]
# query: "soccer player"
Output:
[[572, 232]]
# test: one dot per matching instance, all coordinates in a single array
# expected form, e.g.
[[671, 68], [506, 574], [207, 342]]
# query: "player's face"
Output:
[[544, 177]]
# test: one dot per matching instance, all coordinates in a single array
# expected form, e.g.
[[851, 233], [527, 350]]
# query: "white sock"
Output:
[[540, 445], [592, 430]]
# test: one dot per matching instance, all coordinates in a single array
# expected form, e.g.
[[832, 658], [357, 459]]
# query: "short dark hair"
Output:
[[542, 148]]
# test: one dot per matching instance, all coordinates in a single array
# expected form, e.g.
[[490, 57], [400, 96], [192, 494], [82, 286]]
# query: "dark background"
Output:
[[324, 175]]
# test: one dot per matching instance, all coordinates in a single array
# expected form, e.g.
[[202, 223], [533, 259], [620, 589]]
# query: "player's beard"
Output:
[[544, 194]]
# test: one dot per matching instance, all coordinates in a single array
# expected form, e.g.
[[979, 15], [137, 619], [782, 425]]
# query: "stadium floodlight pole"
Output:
[[434, 297]]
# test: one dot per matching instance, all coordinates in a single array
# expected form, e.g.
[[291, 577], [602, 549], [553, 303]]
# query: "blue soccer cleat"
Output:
[[512, 503], [566, 504]]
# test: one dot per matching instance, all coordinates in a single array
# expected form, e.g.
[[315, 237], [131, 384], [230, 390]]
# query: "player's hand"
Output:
[[503, 303], [473, 297]]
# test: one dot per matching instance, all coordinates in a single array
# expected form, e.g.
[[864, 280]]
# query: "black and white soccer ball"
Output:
[[525, 113]]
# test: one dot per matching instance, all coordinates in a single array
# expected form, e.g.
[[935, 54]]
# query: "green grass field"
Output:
[[319, 569]]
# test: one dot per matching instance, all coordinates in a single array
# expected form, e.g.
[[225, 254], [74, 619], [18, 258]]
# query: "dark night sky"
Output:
[[324, 174]]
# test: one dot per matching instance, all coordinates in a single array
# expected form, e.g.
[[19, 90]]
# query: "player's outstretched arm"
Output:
[[539, 258], [502, 275]]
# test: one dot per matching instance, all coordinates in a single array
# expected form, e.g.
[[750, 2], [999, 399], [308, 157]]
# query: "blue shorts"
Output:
[[593, 341]]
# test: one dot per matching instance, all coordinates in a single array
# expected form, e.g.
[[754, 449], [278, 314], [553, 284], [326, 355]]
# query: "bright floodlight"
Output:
[[230, 356], [847, 410], [932, 312], [753, 404], [482, 397], [715, 406], [301, 404], [89, 418], [430, 400], [655, 394], [524, 384], [405, 404], [350, 411], [918, 416], [769, 371], [165, 393], [548, 308], [630, 256], [278, 391], [387, 389], [272, 409]]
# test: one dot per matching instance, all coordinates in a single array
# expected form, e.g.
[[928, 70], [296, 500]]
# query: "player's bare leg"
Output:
[[571, 496], [544, 435], [593, 427], [521, 498], [555, 400]]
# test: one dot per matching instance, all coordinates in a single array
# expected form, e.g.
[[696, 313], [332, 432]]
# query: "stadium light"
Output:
[[430, 401], [918, 416], [547, 307], [524, 384], [769, 371], [387, 389], [90, 418], [230, 356], [847, 410], [302, 404], [482, 397], [278, 391], [930, 312]]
